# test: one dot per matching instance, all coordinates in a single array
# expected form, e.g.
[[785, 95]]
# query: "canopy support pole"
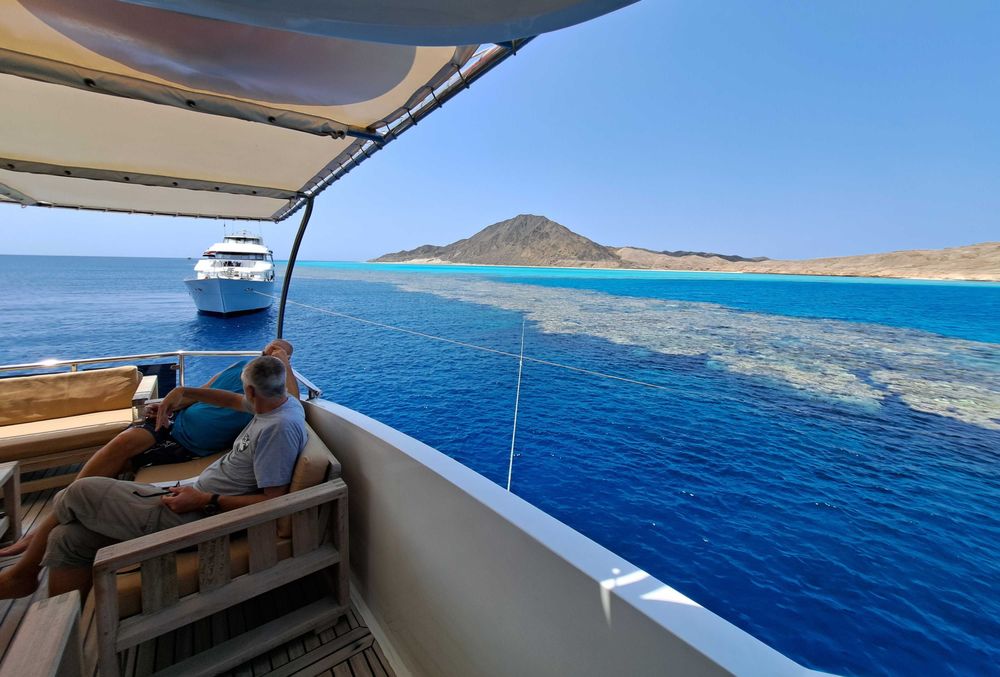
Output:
[[291, 264]]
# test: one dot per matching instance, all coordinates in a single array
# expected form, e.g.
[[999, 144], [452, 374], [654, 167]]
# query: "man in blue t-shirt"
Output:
[[197, 430]]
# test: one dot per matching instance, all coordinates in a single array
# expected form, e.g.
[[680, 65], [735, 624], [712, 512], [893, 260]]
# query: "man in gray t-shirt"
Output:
[[94, 512], [260, 457]]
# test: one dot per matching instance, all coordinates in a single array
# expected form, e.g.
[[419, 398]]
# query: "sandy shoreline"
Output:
[[901, 276]]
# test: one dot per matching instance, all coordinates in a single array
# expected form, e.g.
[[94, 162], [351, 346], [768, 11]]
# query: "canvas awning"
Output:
[[230, 108]]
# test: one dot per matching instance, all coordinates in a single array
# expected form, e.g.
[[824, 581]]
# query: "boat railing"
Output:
[[180, 358]]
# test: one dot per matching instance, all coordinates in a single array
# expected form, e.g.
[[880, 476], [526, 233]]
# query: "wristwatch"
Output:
[[213, 505]]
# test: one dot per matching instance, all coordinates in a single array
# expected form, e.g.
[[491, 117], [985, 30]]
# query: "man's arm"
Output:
[[181, 397], [188, 499], [209, 382], [291, 385]]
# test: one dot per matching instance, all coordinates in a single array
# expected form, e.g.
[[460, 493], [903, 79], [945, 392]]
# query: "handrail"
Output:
[[48, 364], [312, 390]]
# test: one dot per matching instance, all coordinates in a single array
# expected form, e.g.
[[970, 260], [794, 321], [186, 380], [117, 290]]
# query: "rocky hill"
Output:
[[529, 240], [525, 240]]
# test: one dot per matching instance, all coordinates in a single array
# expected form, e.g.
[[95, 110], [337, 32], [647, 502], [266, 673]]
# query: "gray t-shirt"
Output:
[[262, 456]]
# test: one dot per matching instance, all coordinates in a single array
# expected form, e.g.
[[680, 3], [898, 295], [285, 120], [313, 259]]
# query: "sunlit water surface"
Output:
[[819, 464]]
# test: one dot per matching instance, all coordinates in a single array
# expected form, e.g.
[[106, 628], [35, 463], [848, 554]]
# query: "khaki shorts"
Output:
[[95, 512]]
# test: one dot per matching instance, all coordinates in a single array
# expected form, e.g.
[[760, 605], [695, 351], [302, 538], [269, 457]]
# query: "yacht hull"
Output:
[[215, 296], [455, 576]]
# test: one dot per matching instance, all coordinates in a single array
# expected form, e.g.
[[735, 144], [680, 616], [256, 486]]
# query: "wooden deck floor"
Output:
[[346, 649]]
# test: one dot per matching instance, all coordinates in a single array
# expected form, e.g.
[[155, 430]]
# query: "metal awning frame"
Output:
[[465, 68]]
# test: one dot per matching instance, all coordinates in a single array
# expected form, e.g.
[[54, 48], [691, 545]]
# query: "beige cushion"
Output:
[[130, 584], [28, 440], [310, 470], [24, 399], [313, 463], [173, 472]]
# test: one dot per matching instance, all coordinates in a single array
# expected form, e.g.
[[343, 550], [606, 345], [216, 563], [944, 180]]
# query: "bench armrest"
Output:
[[127, 553], [148, 390]]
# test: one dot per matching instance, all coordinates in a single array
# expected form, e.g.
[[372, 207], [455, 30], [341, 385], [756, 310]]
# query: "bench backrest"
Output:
[[24, 399]]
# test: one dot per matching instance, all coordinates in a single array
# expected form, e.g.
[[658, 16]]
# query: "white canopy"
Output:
[[229, 108]]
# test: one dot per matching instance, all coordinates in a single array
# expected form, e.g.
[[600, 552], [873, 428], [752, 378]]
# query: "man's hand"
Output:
[[186, 499], [168, 405], [151, 409], [279, 352]]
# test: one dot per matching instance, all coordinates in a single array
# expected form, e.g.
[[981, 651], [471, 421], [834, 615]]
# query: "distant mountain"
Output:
[[529, 240], [525, 240]]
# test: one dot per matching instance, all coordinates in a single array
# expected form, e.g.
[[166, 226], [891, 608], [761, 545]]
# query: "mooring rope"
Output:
[[472, 346], [517, 402]]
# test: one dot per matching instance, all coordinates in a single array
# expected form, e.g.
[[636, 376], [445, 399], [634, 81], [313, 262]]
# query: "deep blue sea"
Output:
[[819, 462]]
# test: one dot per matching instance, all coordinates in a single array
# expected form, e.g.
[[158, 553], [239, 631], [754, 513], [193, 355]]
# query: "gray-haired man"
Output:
[[97, 511]]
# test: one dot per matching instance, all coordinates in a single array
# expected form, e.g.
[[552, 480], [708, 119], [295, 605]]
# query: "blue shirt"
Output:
[[206, 429]]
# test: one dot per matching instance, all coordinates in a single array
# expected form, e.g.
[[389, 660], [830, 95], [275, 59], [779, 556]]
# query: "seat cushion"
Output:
[[310, 470], [28, 440], [313, 463], [173, 472], [130, 583], [52, 396]]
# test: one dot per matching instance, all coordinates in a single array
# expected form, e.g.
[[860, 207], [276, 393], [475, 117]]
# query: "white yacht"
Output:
[[234, 276], [247, 110]]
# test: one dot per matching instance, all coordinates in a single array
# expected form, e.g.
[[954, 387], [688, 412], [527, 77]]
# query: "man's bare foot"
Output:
[[14, 584], [18, 547]]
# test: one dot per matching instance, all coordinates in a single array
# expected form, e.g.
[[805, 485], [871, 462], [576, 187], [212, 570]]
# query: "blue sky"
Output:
[[788, 129]]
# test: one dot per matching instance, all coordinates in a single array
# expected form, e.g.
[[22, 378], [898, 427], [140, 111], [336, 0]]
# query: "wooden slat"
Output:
[[319, 659], [305, 531], [55, 481], [11, 530], [184, 642], [203, 634], [359, 666], [106, 613], [164, 651], [213, 563], [378, 670], [48, 643], [16, 613], [88, 623], [58, 459], [237, 626], [263, 544], [232, 653], [159, 583], [145, 659], [138, 628], [339, 525]]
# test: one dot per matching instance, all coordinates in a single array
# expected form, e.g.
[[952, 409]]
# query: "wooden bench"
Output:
[[154, 584], [54, 420], [48, 643]]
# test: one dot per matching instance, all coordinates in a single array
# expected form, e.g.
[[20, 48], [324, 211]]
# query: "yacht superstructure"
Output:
[[233, 276]]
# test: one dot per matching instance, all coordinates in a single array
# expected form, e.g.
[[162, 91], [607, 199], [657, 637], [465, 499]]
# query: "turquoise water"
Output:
[[818, 464]]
